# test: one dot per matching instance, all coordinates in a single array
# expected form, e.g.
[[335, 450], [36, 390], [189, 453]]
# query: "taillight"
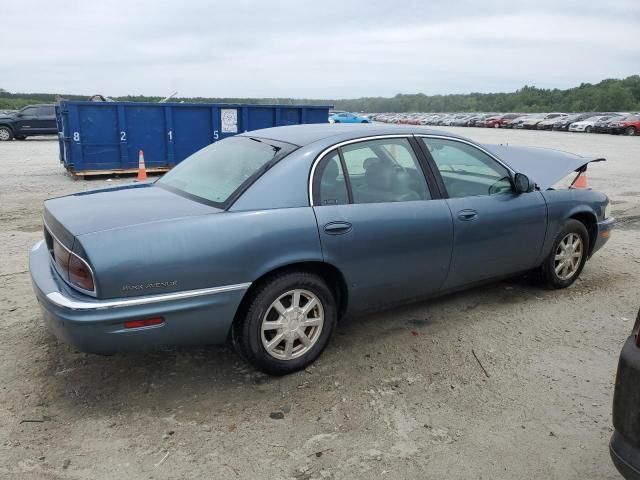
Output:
[[71, 267], [61, 256], [80, 274]]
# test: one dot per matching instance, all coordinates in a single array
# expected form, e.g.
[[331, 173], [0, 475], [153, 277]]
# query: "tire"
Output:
[[364, 121], [570, 233], [6, 134], [631, 131], [336, 121], [252, 341], [588, 129]]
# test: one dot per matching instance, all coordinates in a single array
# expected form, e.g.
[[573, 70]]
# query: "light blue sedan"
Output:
[[267, 238], [347, 117]]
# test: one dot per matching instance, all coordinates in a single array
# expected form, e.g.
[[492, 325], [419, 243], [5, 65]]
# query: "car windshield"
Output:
[[215, 173]]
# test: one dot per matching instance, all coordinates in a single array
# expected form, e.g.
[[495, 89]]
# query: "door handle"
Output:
[[337, 228], [467, 215]]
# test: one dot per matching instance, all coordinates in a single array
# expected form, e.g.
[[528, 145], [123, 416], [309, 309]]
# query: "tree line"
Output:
[[607, 95]]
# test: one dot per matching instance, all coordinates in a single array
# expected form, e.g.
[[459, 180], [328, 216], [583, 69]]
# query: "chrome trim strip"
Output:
[[346, 142], [93, 292], [63, 301]]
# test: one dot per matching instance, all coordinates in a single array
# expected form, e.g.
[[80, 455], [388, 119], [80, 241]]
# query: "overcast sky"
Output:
[[313, 49]]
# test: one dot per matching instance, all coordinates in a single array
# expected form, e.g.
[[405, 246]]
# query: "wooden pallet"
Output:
[[124, 172]]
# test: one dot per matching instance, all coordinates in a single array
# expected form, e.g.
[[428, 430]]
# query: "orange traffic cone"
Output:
[[142, 171], [580, 181]]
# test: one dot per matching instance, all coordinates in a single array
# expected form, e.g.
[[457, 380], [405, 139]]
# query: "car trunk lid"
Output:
[[544, 166], [116, 207]]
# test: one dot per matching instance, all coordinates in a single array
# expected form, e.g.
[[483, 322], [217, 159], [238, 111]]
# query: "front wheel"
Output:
[[588, 129], [288, 322], [631, 131], [568, 255], [5, 134]]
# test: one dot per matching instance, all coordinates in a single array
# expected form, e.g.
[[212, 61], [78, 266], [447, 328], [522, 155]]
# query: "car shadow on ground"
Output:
[[173, 378]]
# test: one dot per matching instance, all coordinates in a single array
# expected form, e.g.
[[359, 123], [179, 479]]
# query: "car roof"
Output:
[[306, 134]]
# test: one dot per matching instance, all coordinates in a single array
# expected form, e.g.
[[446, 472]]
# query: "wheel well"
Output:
[[7, 126], [591, 224], [330, 274]]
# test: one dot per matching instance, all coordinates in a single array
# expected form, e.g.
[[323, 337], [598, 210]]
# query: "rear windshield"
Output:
[[218, 172]]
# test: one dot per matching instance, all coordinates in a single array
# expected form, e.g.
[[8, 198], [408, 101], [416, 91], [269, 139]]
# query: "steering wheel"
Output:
[[493, 189]]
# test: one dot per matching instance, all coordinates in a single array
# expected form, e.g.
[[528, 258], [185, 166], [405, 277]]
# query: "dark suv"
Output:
[[30, 121]]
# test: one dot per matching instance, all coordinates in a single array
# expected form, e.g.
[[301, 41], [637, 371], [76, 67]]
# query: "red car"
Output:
[[499, 120], [629, 125]]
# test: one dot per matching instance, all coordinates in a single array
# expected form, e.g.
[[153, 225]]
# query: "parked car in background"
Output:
[[562, 124], [625, 441], [586, 125], [480, 120], [320, 222], [31, 121], [603, 126], [347, 117], [530, 121], [629, 125], [547, 123], [498, 121], [514, 122]]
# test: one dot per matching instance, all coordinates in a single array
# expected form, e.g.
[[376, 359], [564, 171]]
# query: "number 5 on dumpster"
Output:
[[229, 120]]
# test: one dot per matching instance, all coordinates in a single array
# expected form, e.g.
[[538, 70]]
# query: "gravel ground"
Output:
[[398, 394]]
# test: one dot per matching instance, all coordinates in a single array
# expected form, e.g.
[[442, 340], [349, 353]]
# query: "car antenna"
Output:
[[166, 99]]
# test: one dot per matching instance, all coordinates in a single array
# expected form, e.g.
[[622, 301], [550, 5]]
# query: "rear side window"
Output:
[[47, 111], [375, 171], [330, 182]]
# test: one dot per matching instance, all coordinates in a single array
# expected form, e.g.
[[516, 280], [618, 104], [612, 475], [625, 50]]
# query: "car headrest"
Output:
[[331, 172], [379, 175], [369, 161]]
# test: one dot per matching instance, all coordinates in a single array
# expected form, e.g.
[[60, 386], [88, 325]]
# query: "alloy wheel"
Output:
[[292, 324], [568, 256], [4, 135]]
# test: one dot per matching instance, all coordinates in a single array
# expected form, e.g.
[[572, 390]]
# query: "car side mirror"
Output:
[[522, 184]]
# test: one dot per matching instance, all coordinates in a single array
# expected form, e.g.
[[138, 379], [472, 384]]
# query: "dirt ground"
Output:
[[398, 394]]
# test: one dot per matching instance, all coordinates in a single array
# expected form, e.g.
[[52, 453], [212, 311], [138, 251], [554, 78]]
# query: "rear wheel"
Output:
[[630, 131], [568, 255], [5, 134], [288, 322]]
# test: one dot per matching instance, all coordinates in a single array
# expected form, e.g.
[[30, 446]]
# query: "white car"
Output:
[[587, 125]]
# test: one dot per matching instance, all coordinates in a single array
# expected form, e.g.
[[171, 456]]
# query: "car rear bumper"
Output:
[[604, 232], [625, 442], [98, 326]]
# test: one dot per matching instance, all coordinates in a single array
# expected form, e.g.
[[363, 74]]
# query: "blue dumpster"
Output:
[[105, 137]]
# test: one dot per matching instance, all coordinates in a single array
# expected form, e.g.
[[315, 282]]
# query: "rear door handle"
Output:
[[337, 228], [467, 215]]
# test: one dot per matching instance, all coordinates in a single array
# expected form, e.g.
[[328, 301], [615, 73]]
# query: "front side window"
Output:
[[215, 173], [384, 171], [467, 171], [28, 112]]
